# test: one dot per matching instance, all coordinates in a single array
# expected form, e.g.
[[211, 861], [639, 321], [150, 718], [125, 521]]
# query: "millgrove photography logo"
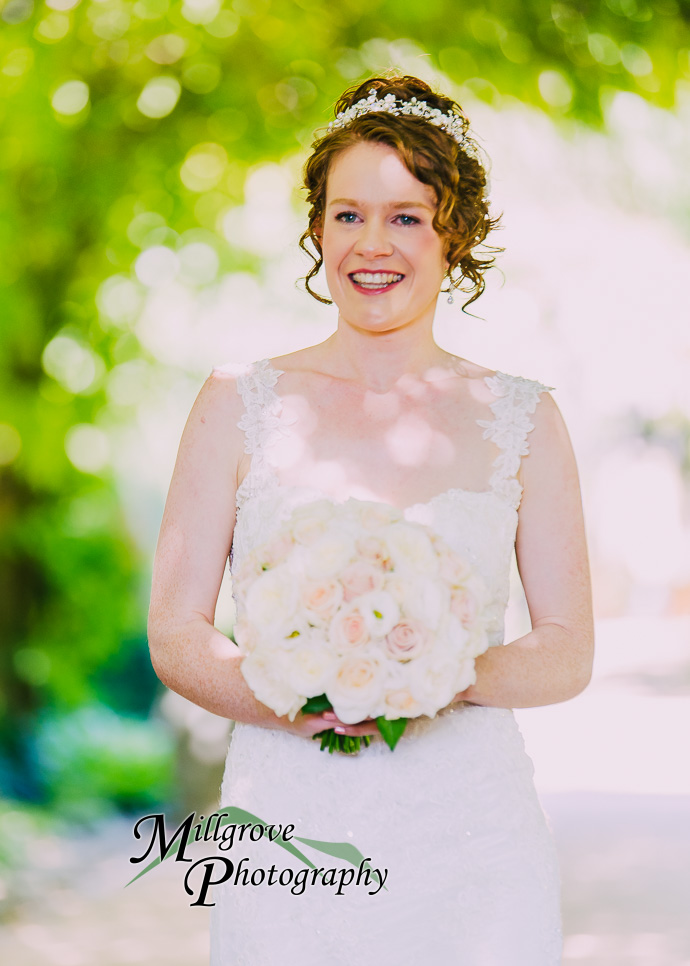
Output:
[[230, 827]]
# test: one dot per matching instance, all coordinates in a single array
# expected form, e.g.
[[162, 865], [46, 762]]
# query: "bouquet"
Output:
[[352, 607]]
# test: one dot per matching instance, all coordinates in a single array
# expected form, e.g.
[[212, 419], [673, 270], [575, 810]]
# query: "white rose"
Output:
[[453, 568], [457, 636], [265, 673], [275, 551], [375, 516], [309, 522], [407, 640], [379, 610], [374, 549], [329, 554], [360, 577], [348, 629], [465, 675], [321, 599], [427, 600], [356, 687], [271, 600], [399, 588], [245, 635], [401, 703], [410, 549], [432, 682], [310, 666]]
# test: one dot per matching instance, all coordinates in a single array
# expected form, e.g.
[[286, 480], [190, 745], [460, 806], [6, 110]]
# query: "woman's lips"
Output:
[[374, 289]]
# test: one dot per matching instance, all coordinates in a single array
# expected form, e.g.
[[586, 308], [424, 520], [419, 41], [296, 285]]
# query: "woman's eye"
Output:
[[409, 220], [346, 216]]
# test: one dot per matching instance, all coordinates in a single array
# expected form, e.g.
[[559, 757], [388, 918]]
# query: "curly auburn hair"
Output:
[[454, 171]]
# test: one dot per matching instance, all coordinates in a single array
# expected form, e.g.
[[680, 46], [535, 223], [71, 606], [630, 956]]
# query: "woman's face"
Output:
[[384, 261]]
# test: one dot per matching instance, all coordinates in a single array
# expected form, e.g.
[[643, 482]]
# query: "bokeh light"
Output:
[[159, 97], [70, 98]]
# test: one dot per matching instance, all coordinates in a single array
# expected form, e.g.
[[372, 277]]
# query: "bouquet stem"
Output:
[[391, 731]]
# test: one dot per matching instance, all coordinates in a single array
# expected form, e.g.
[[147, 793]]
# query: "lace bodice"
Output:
[[478, 524]]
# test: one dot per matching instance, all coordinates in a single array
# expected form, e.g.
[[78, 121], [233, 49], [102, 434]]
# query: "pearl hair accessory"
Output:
[[452, 124]]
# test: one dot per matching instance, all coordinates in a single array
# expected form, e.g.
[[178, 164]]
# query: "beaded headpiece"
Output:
[[452, 124]]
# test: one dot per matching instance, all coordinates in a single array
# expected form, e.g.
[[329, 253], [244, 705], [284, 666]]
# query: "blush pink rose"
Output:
[[408, 639], [360, 577], [322, 598], [348, 629]]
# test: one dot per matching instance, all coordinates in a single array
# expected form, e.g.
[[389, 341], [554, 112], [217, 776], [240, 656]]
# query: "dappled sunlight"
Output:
[[320, 442]]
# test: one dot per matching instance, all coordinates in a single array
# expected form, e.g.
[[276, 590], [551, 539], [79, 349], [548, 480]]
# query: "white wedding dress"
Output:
[[452, 813]]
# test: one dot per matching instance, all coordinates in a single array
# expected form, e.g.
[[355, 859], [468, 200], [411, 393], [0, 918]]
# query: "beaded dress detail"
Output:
[[452, 813]]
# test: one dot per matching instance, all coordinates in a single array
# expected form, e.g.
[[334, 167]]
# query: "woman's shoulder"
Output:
[[493, 383], [240, 375]]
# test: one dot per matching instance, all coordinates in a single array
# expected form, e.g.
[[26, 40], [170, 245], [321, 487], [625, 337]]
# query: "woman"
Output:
[[380, 412]]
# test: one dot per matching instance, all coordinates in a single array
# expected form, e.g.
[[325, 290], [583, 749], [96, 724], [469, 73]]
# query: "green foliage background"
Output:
[[83, 193]]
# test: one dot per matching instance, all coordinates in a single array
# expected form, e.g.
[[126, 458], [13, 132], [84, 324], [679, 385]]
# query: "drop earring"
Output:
[[450, 293]]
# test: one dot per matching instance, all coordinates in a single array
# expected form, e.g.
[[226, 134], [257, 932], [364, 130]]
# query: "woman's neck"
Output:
[[379, 360]]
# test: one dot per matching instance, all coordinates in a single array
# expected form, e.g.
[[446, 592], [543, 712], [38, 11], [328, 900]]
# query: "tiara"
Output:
[[452, 124]]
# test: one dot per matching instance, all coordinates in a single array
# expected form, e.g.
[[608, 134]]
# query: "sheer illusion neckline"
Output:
[[273, 401]]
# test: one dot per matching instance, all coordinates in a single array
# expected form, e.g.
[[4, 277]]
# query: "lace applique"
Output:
[[261, 425], [517, 400]]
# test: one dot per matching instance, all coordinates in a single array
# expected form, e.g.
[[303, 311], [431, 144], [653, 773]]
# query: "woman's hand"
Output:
[[366, 727], [307, 725]]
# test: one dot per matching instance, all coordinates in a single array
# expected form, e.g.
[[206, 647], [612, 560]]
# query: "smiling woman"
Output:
[[449, 178], [379, 412]]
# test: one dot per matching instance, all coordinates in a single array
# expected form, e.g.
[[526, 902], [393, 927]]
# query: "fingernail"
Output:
[[339, 731], [329, 715]]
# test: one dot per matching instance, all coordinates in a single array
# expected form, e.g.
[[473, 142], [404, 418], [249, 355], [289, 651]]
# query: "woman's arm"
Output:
[[554, 661], [189, 655]]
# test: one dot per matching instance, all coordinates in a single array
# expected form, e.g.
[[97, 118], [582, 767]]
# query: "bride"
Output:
[[380, 412]]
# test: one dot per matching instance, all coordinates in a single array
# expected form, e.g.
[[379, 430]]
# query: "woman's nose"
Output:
[[373, 239]]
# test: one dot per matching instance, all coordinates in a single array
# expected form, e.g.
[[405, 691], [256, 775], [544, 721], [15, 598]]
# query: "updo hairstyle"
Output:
[[453, 170]]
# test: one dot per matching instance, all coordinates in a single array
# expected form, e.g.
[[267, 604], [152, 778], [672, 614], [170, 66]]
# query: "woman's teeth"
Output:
[[375, 280]]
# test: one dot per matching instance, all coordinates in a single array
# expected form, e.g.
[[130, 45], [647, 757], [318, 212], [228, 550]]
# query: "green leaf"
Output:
[[391, 731], [316, 705]]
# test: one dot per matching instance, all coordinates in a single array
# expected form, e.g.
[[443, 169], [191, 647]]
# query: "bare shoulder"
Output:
[[214, 416], [475, 377], [304, 360], [550, 455], [221, 390]]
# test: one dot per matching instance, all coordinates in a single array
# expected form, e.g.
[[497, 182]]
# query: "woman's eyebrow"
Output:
[[396, 204]]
